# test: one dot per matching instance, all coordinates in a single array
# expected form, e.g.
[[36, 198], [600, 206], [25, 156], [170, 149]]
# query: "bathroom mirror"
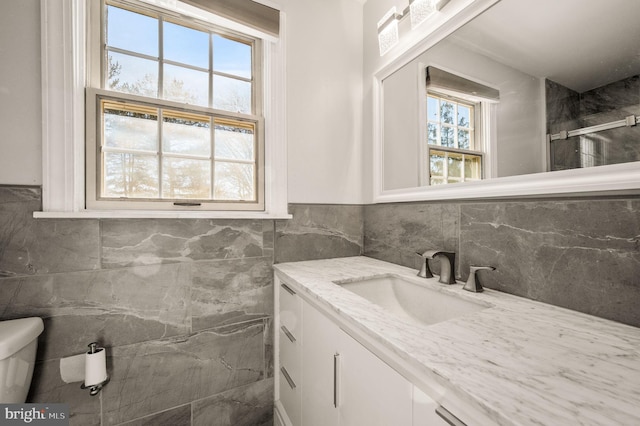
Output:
[[564, 120]]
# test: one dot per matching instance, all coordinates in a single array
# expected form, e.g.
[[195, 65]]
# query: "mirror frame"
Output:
[[615, 179]]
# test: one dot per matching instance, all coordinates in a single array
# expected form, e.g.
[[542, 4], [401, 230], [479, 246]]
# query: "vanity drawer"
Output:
[[290, 310], [290, 355], [290, 396], [289, 350]]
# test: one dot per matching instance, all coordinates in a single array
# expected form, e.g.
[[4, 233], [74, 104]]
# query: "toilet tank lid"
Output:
[[18, 333]]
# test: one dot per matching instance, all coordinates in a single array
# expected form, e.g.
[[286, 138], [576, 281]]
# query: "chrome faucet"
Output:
[[473, 282], [447, 265]]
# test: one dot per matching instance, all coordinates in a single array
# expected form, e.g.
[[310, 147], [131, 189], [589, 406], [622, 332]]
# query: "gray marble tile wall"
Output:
[[563, 113], [319, 231], [580, 254], [570, 110], [621, 96], [613, 102], [184, 308], [563, 107]]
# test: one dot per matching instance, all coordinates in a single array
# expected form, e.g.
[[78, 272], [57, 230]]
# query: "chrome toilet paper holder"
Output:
[[95, 388]]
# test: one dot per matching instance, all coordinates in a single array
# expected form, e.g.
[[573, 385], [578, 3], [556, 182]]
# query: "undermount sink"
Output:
[[411, 300]]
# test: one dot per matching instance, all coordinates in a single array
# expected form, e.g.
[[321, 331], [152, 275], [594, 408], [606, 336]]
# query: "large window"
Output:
[[454, 147], [173, 113]]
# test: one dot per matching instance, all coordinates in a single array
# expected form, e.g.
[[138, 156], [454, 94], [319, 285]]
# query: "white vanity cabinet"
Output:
[[371, 392], [327, 378], [345, 384]]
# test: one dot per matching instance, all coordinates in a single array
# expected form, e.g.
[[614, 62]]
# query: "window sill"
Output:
[[152, 214]]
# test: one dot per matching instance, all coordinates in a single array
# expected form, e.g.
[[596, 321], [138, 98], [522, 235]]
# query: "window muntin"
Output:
[[450, 122], [150, 54], [175, 123], [454, 149], [453, 167], [152, 152]]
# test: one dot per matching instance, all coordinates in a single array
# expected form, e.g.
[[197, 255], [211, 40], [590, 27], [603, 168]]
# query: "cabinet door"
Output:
[[370, 392], [424, 410], [319, 346]]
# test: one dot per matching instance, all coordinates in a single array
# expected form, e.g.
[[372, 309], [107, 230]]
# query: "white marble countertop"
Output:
[[519, 361]]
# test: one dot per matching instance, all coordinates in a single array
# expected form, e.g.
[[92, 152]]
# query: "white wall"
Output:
[[20, 114], [324, 97], [324, 100], [401, 129]]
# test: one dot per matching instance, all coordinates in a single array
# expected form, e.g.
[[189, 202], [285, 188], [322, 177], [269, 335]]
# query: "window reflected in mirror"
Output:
[[450, 128], [453, 167]]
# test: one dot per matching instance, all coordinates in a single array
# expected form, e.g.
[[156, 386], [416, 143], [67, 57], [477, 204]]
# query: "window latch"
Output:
[[187, 204]]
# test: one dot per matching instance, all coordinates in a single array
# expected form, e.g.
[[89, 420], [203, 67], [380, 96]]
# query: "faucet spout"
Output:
[[447, 264]]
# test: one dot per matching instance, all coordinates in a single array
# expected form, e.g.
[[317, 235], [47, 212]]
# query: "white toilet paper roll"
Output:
[[72, 368], [95, 369]]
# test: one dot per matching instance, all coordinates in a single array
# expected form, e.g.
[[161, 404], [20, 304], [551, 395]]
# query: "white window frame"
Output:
[[477, 142], [484, 130], [64, 74], [94, 119]]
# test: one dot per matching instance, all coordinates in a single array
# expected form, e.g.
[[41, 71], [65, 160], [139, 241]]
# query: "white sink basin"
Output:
[[412, 301]]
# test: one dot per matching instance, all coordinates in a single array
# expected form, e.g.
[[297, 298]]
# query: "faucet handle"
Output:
[[425, 271], [473, 282]]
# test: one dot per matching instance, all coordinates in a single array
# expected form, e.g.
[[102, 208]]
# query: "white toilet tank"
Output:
[[18, 345]]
